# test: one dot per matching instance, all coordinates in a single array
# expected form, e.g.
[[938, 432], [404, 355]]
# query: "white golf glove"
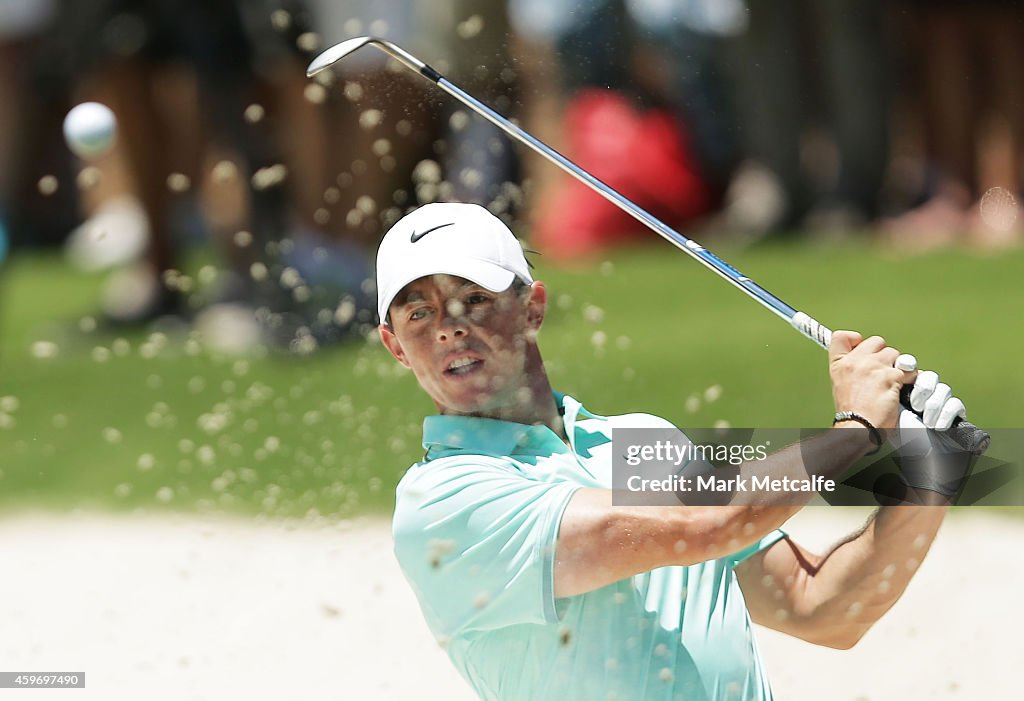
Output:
[[932, 399], [929, 459]]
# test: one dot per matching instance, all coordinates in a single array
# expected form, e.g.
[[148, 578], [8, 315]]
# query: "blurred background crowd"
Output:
[[246, 199]]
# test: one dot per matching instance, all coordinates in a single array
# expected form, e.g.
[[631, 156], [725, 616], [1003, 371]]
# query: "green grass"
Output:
[[332, 433]]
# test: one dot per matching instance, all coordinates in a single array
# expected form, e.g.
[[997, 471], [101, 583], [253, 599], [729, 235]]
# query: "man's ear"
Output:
[[390, 341], [536, 305]]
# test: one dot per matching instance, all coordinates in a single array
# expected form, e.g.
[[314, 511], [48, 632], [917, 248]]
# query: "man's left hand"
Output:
[[929, 459]]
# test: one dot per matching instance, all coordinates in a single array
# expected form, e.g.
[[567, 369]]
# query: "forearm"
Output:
[[862, 578], [827, 455], [786, 478]]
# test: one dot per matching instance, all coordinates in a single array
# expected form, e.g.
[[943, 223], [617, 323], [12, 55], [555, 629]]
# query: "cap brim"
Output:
[[484, 273]]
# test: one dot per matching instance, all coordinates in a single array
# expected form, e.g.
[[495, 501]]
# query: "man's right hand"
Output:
[[864, 379]]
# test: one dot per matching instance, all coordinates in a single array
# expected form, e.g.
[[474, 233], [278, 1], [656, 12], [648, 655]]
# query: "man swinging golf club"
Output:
[[536, 583]]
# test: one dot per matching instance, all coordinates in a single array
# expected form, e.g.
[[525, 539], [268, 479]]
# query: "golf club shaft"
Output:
[[965, 433], [802, 322]]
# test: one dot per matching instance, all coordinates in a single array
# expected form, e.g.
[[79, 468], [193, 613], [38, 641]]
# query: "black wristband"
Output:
[[873, 433]]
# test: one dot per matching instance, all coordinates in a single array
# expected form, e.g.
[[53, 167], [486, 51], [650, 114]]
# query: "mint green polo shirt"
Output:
[[475, 528]]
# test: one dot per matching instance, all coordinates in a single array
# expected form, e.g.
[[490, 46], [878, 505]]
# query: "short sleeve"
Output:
[[476, 538], [763, 544]]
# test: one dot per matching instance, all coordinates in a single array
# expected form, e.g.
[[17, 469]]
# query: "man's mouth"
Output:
[[463, 366]]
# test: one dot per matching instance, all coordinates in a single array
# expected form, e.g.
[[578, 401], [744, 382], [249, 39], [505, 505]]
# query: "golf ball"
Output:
[[90, 129], [998, 208]]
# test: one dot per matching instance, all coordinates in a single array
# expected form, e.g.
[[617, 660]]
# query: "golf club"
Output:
[[966, 434]]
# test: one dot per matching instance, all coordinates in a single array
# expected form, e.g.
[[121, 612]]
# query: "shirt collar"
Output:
[[473, 434]]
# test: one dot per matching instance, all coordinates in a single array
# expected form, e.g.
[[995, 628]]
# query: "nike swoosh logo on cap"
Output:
[[416, 237]]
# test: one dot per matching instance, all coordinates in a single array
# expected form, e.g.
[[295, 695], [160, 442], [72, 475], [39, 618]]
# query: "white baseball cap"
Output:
[[448, 238]]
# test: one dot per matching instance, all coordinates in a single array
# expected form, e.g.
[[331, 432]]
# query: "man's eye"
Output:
[[417, 314], [476, 299]]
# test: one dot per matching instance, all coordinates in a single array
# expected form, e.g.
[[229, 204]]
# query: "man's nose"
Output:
[[453, 322]]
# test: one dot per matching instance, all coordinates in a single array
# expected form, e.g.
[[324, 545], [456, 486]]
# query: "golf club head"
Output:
[[339, 51], [334, 54]]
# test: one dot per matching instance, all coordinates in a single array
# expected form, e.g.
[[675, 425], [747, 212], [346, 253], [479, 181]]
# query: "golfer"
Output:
[[537, 585]]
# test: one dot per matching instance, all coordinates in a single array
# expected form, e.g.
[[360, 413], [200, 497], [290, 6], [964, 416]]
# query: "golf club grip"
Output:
[[967, 435]]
